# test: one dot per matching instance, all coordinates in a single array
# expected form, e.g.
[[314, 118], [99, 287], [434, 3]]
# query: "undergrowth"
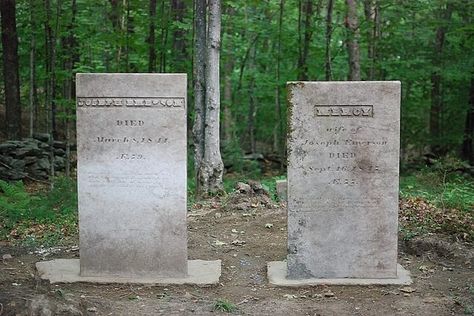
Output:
[[48, 217]]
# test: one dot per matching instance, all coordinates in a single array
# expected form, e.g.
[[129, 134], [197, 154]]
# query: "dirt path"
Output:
[[442, 285]]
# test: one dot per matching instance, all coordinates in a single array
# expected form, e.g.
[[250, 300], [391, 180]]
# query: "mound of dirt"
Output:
[[248, 197]]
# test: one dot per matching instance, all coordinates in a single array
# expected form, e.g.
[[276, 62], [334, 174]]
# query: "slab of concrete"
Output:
[[277, 272], [200, 272]]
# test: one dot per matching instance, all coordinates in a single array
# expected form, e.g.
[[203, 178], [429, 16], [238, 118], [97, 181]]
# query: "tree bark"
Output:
[[252, 103], [352, 24], [212, 167], [468, 143], [179, 45], [151, 36], [278, 128], [372, 16], [306, 10], [32, 104], [328, 62], [199, 87], [436, 89], [163, 36], [11, 69]]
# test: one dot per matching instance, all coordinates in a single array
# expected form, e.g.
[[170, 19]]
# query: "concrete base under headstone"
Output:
[[277, 271], [200, 272]]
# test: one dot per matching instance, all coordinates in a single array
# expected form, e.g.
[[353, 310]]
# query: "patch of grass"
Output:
[[223, 305], [444, 189], [43, 218]]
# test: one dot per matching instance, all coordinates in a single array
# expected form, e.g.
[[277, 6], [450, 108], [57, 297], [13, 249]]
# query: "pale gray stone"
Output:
[[200, 272], [343, 170], [131, 138], [277, 275], [282, 189]]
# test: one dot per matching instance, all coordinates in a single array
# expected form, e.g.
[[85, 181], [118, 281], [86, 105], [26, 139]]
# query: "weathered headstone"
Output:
[[343, 171], [131, 138]]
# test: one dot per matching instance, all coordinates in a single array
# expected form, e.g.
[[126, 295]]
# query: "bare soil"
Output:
[[243, 240]]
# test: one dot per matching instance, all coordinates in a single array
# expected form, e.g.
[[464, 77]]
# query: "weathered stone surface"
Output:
[[343, 153], [200, 272], [131, 138], [282, 189]]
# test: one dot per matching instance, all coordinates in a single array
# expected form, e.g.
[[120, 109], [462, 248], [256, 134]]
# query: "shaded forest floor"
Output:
[[246, 231]]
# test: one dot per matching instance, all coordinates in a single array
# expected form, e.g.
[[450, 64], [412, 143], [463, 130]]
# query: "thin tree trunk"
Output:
[[352, 24], [32, 105], [163, 36], [151, 36], [328, 70], [468, 143], [11, 69], [178, 43], [278, 128], [227, 119], [199, 88], [436, 91], [307, 8], [372, 16], [212, 167], [252, 103]]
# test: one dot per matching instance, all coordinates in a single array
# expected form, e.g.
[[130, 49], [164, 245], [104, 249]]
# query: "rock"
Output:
[[242, 187], [18, 164], [268, 225], [7, 256], [44, 137], [329, 294], [41, 306], [43, 163], [59, 152], [7, 147], [59, 162], [407, 289], [59, 144], [30, 160], [257, 187]]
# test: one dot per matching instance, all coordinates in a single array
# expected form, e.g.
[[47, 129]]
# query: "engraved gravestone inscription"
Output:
[[131, 136], [343, 158]]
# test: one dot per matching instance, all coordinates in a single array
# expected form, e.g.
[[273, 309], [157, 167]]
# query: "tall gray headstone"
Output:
[[131, 177], [131, 139], [343, 171]]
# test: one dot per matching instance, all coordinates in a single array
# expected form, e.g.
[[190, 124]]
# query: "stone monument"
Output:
[[131, 139], [343, 174]]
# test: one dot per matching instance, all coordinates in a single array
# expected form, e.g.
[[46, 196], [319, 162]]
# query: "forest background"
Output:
[[427, 45]]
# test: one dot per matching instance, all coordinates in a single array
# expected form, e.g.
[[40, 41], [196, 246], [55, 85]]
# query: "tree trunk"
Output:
[[199, 87], [151, 36], [307, 10], [212, 167], [178, 44], [328, 70], [10, 69], [436, 93], [352, 24], [468, 143], [227, 119], [278, 128], [252, 103], [372, 16], [32, 104], [163, 36]]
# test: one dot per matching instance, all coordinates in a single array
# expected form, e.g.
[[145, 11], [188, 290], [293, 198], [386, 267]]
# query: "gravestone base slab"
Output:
[[200, 272], [277, 271]]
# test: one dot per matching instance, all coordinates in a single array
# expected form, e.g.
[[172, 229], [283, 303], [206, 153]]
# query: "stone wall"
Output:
[[30, 158]]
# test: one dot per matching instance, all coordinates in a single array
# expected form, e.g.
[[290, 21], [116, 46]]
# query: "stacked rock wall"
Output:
[[30, 158]]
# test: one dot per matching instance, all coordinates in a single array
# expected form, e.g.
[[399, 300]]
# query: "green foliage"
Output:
[[223, 305], [44, 217], [441, 185]]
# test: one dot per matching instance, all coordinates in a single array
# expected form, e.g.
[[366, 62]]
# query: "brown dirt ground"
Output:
[[443, 281]]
